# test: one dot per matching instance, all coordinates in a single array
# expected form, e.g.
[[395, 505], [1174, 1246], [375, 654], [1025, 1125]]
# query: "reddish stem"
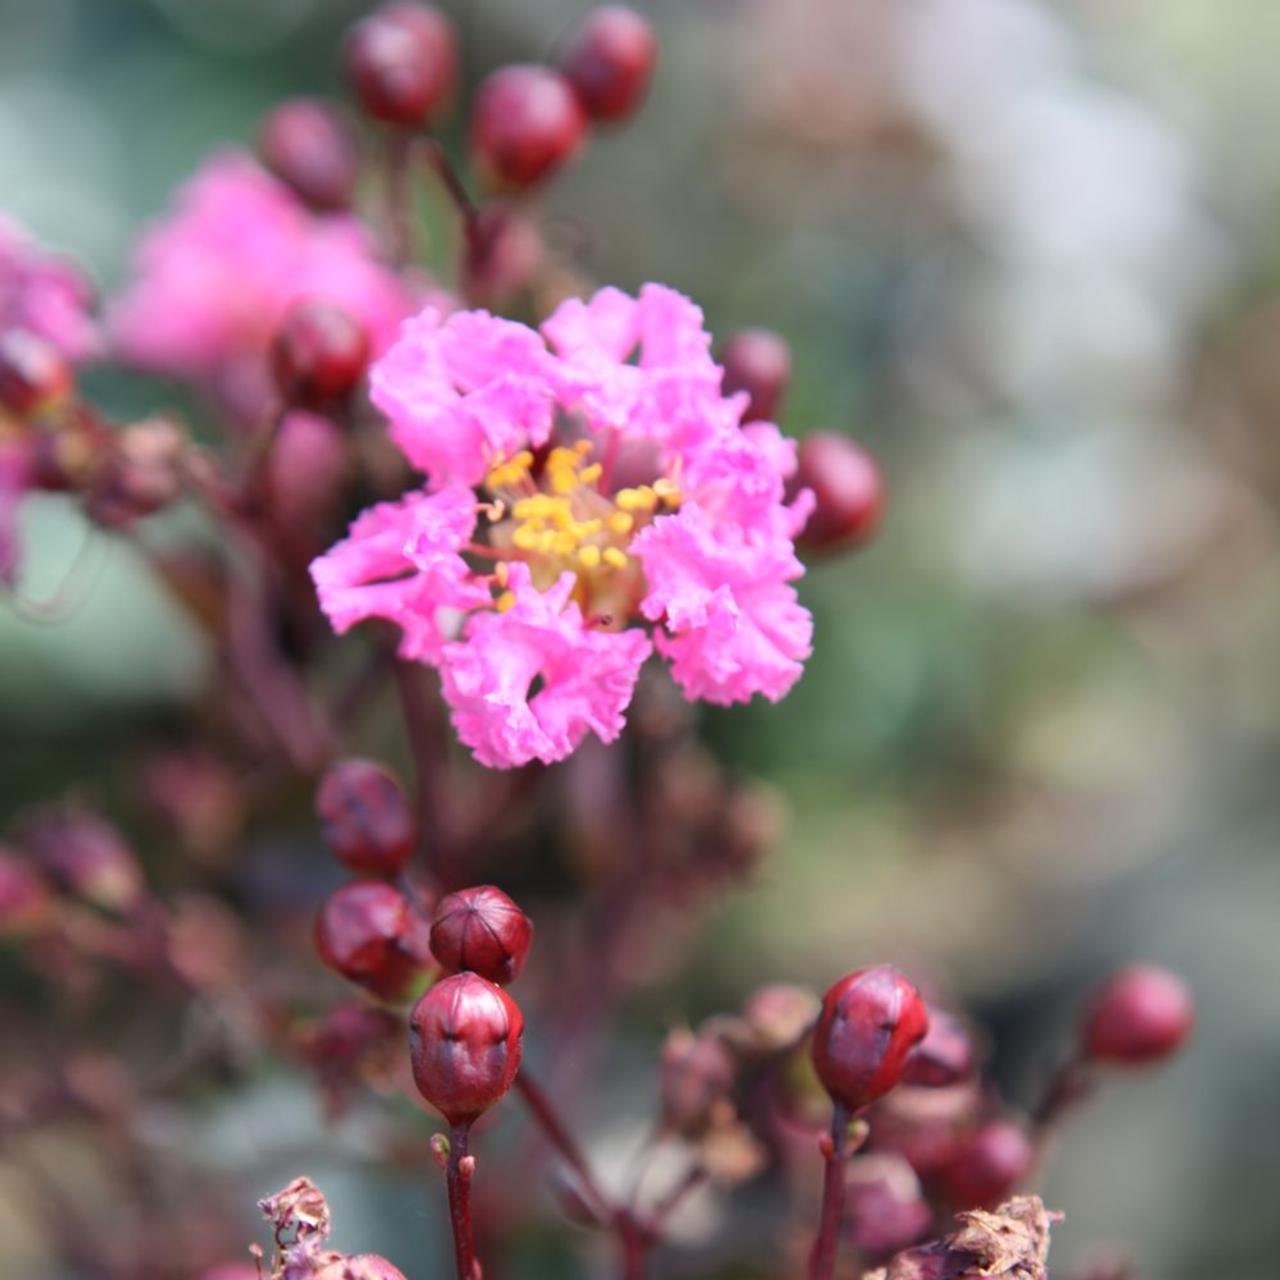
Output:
[[822, 1261], [551, 1125], [441, 165], [458, 1174]]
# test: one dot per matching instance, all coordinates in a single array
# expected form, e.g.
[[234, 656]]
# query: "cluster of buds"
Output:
[[370, 931], [847, 484], [465, 1032]]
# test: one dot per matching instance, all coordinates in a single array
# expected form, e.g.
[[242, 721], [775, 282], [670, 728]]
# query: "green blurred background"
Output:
[[1027, 253]]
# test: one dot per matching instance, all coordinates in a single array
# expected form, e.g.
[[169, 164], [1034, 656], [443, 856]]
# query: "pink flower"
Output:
[[214, 277], [46, 295], [620, 496], [587, 677]]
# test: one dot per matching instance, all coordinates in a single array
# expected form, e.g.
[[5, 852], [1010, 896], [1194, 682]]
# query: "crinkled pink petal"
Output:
[[587, 677], [464, 392], [213, 278], [401, 561], [635, 365], [734, 626]]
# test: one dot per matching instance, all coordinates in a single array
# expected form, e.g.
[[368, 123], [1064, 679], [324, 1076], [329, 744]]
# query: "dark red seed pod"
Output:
[[365, 818], [365, 932], [988, 1165], [870, 1021], [1139, 1015], [848, 489], [757, 361], [525, 124], [310, 147], [483, 930], [464, 1045], [318, 354], [945, 1056], [610, 62], [34, 374], [402, 61]]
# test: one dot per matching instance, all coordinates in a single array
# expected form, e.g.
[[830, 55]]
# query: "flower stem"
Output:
[[458, 1175], [822, 1261], [553, 1127]]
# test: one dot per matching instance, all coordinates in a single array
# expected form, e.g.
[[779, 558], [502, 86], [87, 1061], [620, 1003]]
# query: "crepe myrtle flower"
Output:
[[591, 495], [213, 278]]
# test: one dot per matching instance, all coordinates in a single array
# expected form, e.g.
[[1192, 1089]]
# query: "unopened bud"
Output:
[[525, 124], [465, 1038], [944, 1056], [610, 62], [318, 354], [696, 1078], [1140, 1015], [86, 856], [34, 374], [757, 361], [312, 150], [365, 817], [870, 1021], [988, 1166], [848, 489], [402, 61], [483, 930], [366, 932]]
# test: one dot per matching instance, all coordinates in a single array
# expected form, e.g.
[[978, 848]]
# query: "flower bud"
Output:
[[610, 62], [481, 929], [34, 374], [945, 1055], [318, 354], [85, 855], [312, 150], [142, 474], [870, 1021], [885, 1205], [525, 124], [402, 61], [366, 933], [848, 489], [365, 817], [988, 1165], [697, 1074], [779, 1014], [24, 900], [464, 1036], [1140, 1015], [757, 361]]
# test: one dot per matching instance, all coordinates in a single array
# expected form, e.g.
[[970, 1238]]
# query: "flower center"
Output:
[[563, 518]]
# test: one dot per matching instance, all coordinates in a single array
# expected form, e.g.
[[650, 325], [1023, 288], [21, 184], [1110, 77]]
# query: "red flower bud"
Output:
[[34, 374], [848, 487], [481, 929], [318, 354], [870, 1021], [502, 256], [365, 817], [1140, 1015], [988, 1165], [85, 855], [402, 61], [611, 61], [525, 124], [142, 474], [757, 361], [697, 1074], [367, 933], [464, 1045], [945, 1055], [359, 1266], [311, 149]]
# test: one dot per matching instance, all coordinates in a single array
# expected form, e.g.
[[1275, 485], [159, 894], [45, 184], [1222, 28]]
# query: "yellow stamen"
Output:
[[589, 556], [621, 523], [614, 558], [505, 601]]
